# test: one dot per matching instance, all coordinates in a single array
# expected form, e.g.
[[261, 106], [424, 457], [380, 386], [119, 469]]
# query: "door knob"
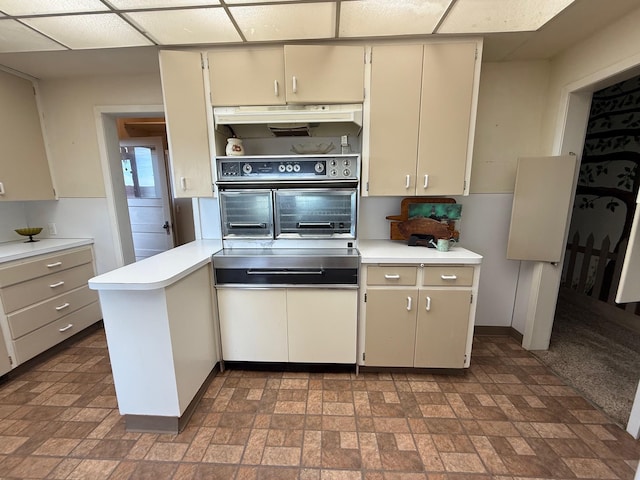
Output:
[[166, 227]]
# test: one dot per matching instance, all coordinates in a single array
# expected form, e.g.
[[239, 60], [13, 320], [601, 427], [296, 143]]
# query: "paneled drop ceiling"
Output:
[[32, 32]]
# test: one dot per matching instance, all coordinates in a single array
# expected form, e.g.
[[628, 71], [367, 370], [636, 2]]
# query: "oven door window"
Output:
[[246, 214], [316, 213]]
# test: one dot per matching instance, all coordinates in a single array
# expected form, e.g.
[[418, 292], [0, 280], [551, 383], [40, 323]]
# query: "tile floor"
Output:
[[508, 417]]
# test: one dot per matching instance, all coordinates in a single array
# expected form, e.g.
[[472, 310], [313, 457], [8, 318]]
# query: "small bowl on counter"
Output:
[[29, 232]]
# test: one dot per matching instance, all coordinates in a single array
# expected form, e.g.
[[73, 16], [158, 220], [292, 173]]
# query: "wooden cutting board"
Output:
[[402, 227]]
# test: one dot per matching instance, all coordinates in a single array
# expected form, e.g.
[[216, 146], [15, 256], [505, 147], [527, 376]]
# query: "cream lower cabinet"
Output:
[[418, 316], [304, 325], [422, 118], [45, 300], [289, 74]]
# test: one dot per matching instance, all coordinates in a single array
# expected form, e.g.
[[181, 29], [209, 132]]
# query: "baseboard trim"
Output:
[[498, 331], [174, 425]]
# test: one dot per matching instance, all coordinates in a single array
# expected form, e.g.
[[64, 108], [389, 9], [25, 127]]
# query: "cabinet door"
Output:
[[253, 325], [24, 170], [443, 326], [187, 130], [322, 325], [324, 73], [445, 118], [396, 73], [390, 329], [248, 76]]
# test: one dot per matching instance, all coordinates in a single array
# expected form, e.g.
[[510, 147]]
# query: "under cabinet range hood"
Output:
[[291, 120]]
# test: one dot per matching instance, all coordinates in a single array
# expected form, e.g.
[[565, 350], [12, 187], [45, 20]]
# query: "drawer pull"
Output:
[[408, 303], [64, 329], [428, 306], [275, 88], [51, 265], [390, 276], [59, 284], [449, 277], [407, 182], [426, 181], [63, 306]]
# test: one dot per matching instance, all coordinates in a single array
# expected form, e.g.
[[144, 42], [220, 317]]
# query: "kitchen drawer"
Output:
[[43, 265], [31, 344], [29, 319], [448, 276], [26, 293], [391, 275]]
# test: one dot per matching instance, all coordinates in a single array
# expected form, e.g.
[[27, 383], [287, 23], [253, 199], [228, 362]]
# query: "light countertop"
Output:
[[19, 250], [158, 271], [393, 251]]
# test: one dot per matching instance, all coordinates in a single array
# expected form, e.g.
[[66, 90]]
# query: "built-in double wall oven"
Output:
[[279, 197]]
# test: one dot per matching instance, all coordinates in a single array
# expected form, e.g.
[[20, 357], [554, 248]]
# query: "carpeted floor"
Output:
[[599, 358]]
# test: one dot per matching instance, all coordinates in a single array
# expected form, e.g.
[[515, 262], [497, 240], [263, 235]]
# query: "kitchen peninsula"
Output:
[[162, 330], [159, 319]]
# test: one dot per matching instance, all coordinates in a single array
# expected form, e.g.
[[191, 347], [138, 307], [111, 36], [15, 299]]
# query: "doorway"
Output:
[[128, 122]]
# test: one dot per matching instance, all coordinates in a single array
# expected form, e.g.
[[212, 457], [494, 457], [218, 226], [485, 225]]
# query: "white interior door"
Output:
[[145, 179], [542, 197], [629, 286]]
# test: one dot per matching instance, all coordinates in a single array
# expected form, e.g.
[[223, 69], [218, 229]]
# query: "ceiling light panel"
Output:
[[48, 7], [241, 2], [286, 22], [89, 31], [390, 17], [486, 16], [174, 27], [15, 37], [135, 4]]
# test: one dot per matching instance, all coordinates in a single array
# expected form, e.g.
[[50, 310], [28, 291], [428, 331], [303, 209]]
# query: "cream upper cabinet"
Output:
[[24, 170], [422, 117], [293, 74], [187, 129], [324, 73], [247, 76]]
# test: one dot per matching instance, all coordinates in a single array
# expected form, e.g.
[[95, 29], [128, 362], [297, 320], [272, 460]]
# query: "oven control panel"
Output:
[[316, 168]]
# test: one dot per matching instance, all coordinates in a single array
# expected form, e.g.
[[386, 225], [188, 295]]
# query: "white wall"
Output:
[[12, 215]]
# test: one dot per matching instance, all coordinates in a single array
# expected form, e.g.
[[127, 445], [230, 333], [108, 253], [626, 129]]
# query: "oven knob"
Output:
[[247, 168], [346, 172], [333, 163], [289, 168], [333, 172], [296, 167], [281, 168], [319, 167], [346, 162]]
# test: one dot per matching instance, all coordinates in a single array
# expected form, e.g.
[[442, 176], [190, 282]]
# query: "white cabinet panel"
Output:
[[253, 324], [541, 205], [322, 325]]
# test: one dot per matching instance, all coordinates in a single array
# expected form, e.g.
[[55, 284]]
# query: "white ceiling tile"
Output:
[[201, 25], [240, 2], [38, 7], [134, 4], [89, 31], [484, 16], [286, 22], [390, 17], [15, 37]]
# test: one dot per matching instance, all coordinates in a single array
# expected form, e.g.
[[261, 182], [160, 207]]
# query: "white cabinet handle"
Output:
[[276, 88], [449, 277], [183, 183], [51, 265], [407, 182], [63, 306], [428, 306], [295, 84], [426, 181], [1, 188], [64, 329], [408, 303], [390, 276], [59, 284]]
